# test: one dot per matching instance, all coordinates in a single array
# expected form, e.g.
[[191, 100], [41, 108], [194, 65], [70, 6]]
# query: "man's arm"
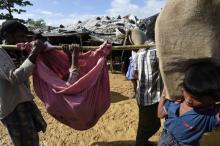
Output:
[[22, 73]]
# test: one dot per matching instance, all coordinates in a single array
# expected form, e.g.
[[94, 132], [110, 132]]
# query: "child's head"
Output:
[[202, 84]]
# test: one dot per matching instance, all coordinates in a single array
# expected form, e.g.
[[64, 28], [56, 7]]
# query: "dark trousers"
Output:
[[24, 123], [167, 139], [148, 124]]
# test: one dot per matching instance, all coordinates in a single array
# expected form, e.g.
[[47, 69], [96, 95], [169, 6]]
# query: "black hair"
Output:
[[30, 33], [39, 36], [10, 26], [202, 79]]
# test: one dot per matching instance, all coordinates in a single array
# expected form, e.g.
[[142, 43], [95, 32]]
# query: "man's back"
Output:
[[149, 81]]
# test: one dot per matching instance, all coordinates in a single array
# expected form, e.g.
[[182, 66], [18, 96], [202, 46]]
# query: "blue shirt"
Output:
[[189, 127]]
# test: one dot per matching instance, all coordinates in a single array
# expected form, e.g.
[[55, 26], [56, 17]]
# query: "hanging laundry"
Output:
[[82, 103]]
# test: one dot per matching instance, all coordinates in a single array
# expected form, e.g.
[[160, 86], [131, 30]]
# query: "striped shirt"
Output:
[[149, 79]]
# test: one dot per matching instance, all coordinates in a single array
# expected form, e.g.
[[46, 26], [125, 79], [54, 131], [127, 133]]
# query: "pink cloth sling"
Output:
[[81, 104]]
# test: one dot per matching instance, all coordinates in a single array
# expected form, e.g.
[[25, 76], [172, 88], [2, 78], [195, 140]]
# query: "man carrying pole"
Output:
[[18, 112]]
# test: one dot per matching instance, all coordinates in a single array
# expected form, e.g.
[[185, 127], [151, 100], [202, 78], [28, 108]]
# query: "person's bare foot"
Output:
[[73, 76]]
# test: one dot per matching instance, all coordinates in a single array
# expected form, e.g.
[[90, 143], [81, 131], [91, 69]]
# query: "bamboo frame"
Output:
[[126, 47]]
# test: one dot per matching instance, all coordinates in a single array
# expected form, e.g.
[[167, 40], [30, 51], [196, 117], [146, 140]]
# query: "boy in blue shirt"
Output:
[[188, 119]]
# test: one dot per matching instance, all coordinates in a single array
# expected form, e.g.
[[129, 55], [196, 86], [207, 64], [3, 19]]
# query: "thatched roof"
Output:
[[103, 28]]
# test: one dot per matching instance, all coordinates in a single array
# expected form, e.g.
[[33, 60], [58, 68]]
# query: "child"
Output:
[[187, 120]]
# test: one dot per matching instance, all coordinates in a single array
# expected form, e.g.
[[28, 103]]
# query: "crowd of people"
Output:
[[186, 118]]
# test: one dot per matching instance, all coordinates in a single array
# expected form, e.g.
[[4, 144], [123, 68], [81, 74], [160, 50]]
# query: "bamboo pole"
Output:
[[126, 47]]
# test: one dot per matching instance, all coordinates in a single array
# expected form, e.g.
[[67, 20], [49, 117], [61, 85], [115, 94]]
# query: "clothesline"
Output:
[[126, 47]]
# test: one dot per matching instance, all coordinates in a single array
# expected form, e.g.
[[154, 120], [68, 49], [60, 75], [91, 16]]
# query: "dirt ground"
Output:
[[117, 127]]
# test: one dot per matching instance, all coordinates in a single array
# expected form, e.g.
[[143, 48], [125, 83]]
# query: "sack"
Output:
[[186, 31]]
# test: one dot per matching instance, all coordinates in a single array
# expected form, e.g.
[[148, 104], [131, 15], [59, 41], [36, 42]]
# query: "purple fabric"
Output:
[[81, 104]]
